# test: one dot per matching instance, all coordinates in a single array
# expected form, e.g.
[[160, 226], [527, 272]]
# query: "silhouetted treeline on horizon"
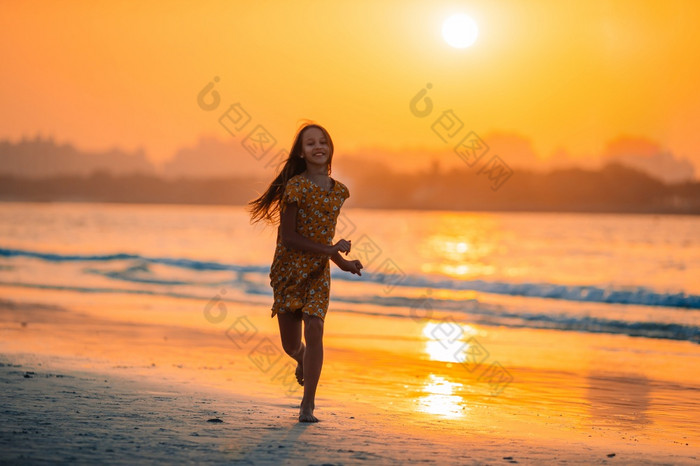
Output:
[[42, 157], [614, 189]]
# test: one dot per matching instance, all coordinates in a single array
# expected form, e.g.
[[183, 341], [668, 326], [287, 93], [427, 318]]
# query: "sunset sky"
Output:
[[568, 75]]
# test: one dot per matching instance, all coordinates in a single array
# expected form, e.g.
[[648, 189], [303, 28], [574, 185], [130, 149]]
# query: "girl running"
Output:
[[308, 201]]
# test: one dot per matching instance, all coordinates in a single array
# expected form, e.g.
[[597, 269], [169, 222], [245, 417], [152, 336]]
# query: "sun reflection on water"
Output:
[[445, 341], [440, 398], [458, 255]]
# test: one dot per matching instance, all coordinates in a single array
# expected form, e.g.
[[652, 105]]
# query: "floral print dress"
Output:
[[302, 279]]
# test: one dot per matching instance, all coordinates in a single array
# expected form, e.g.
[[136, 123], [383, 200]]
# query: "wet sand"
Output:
[[134, 380]]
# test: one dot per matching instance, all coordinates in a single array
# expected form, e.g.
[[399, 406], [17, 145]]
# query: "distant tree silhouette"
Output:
[[615, 188]]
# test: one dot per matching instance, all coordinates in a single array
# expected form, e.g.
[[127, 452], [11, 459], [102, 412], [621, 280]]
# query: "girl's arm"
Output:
[[293, 240], [353, 266], [338, 259]]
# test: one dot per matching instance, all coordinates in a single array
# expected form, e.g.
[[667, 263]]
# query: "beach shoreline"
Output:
[[126, 386], [58, 415]]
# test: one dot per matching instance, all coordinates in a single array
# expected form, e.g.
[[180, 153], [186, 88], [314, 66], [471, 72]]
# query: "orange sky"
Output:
[[565, 74]]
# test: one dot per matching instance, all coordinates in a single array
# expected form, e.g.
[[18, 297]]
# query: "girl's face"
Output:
[[314, 147]]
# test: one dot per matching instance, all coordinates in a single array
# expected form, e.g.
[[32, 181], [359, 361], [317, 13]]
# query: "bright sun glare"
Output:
[[460, 31]]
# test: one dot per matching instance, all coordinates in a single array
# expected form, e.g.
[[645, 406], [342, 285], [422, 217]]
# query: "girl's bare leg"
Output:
[[290, 333], [313, 362]]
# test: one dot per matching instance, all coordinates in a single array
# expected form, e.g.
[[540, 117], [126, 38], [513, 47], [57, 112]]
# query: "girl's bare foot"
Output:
[[306, 414]]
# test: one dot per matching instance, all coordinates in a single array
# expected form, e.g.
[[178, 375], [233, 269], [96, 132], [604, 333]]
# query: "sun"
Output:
[[460, 31]]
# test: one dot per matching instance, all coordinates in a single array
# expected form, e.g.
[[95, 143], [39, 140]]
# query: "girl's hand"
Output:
[[341, 246], [353, 266]]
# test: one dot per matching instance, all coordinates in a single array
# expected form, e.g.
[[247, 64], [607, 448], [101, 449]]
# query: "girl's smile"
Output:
[[315, 148]]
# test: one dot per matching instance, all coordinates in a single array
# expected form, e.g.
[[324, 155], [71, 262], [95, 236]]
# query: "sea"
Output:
[[636, 275]]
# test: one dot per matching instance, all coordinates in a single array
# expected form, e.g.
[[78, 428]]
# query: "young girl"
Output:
[[308, 201]]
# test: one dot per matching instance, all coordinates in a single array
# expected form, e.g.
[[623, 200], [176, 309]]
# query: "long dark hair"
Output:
[[267, 206]]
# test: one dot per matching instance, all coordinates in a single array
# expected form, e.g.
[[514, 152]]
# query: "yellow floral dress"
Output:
[[302, 279]]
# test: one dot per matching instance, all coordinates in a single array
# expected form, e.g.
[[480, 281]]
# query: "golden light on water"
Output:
[[439, 351], [441, 399], [456, 246], [445, 341], [458, 256]]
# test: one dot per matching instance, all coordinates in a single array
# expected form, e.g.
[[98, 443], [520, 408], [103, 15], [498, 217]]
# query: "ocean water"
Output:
[[635, 275]]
